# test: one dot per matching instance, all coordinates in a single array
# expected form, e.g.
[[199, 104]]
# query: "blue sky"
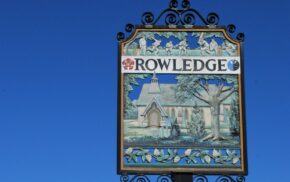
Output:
[[58, 81]]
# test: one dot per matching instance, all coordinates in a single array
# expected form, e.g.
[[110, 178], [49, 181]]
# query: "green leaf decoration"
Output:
[[170, 152], [196, 154], [138, 155], [162, 152], [159, 159], [143, 158], [135, 158], [175, 152]]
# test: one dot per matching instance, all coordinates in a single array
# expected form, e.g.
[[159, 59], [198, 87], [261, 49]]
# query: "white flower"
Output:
[[156, 152], [188, 152], [216, 153], [236, 160], [148, 157], [207, 159], [176, 159], [129, 151]]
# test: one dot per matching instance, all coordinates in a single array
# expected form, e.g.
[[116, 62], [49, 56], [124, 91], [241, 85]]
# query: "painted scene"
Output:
[[187, 110]]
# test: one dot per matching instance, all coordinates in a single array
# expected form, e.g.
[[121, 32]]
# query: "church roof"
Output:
[[166, 97], [158, 105]]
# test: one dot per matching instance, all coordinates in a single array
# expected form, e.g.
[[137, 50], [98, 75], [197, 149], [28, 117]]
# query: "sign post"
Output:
[[181, 97]]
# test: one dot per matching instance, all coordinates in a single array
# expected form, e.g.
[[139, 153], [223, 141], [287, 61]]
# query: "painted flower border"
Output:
[[190, 156]]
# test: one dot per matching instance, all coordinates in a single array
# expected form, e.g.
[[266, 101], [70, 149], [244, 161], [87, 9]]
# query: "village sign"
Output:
[[181, 96]]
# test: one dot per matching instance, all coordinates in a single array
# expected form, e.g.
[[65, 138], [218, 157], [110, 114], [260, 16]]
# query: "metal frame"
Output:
[[176, 20]]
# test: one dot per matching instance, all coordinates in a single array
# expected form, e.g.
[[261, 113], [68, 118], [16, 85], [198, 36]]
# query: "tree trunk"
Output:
[[215, 123]]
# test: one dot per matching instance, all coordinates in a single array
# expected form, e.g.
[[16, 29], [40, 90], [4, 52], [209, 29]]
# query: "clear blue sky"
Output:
[[58, 70]]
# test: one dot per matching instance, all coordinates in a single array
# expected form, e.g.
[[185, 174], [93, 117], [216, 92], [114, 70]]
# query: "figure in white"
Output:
[[155, 46], [143, 45], [204, 46], [169, 47], [213, 47], [182, 47], [229, 48]]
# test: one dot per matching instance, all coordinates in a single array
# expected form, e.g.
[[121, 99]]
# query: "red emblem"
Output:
[[128, 64]]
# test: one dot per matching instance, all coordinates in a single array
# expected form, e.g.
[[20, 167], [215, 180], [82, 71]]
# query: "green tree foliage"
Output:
[[130, 81], [147, 35], [210, 89], [152, 35], [209, 35], [196, 125], [234, 117]]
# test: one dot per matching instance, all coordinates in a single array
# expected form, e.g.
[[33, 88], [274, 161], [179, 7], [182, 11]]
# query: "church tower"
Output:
[[154, 85]]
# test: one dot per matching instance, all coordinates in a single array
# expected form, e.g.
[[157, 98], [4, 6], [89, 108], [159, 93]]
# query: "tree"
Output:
[[147, 35], [234, 117], [209, 35], [130, 80], [210, 89], [196, 125], [151, 35]]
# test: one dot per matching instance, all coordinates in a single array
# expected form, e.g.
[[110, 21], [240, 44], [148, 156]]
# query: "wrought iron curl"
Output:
[[129, 28], [140, 178], [212, 19], [186, 4], [120, 36], [164, 178], [200, 178], [172, 18], [241, 37], [173, 4], [137, 178], [188, 19], [147, 18], [124, 178], [225, 178], [240, 179], [231, 28]]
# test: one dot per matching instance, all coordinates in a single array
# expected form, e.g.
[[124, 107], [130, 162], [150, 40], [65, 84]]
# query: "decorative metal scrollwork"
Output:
[[164, 178], [240, 179], [129, 28], [196, 178], [137, 178], [225, 179], [186, 16], [199, 178], [143, 178]]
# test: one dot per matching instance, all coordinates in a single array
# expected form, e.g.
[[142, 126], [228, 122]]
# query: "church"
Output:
[[157, 103]]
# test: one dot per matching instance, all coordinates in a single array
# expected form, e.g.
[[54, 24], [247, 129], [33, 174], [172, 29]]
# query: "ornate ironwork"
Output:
[[143, 178], [200, 178], [186, 16], [167, 178]]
